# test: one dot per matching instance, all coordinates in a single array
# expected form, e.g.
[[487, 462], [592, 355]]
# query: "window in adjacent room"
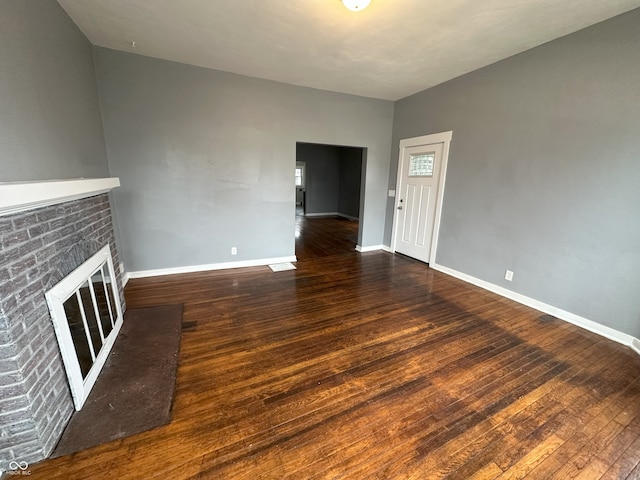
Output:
[[299, 177]]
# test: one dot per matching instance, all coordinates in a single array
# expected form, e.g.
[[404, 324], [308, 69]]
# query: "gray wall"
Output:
[[50, 125], [350, 178], [206, 158], [544, 171]]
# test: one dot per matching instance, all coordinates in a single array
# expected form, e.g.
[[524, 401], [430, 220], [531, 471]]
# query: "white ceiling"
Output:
[[391, 50]]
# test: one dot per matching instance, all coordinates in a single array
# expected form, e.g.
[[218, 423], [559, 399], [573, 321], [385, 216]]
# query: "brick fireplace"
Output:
[[39, 247]]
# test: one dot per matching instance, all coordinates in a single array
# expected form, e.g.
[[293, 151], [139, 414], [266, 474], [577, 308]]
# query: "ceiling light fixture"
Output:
[[356, 5]]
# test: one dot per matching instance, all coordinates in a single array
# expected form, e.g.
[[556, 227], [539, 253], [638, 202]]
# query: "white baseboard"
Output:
[[123, 274], [373, 248], [577, 320], [321, 214], [332, 214], [211, 266]]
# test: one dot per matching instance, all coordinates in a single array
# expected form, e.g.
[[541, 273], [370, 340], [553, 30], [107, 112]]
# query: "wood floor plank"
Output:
[[624, 466], [397, 462], [585, 443], [532, 459], [372, 365], [489, 472]]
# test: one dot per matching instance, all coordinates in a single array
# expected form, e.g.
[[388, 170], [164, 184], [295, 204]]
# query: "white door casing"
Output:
[[420, 183]]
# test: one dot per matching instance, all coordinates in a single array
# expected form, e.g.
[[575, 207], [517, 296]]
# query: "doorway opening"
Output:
[[329, 183]]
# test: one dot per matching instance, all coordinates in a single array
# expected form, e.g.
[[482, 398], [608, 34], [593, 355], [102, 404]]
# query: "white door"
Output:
[[418, 196]]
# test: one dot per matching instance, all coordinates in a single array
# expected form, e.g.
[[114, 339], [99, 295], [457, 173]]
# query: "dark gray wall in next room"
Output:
[[50, 125], [544, 171], [350, 178], [333, 176], [322, 170]]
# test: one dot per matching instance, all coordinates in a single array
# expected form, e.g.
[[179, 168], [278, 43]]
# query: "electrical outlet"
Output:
[[234, 250], [508, 275]]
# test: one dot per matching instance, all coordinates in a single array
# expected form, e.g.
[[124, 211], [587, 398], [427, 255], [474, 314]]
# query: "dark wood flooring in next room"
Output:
[[373, 366], [324, 236]]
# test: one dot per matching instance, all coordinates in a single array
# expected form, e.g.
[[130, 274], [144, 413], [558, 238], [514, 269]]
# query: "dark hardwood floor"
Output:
[[373, 366], [324, 236]]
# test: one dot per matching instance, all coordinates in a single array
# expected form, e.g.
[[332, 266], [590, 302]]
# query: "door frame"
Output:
[[445, 139]]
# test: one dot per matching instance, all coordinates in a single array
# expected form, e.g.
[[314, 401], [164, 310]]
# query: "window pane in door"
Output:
[[421, 165]]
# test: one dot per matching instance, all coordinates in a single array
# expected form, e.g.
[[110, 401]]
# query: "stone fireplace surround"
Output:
[[47, 229]]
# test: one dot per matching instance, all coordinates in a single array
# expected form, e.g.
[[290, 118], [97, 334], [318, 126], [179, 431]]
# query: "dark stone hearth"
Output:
[[134, 391]]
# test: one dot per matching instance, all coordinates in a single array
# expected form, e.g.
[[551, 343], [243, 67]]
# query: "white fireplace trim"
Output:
[[56, 297], [17, 197]]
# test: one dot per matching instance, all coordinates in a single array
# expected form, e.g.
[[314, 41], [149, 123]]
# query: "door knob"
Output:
[[399, 207]]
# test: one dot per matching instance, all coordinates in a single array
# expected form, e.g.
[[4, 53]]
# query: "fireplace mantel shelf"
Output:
[[18, 197]]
